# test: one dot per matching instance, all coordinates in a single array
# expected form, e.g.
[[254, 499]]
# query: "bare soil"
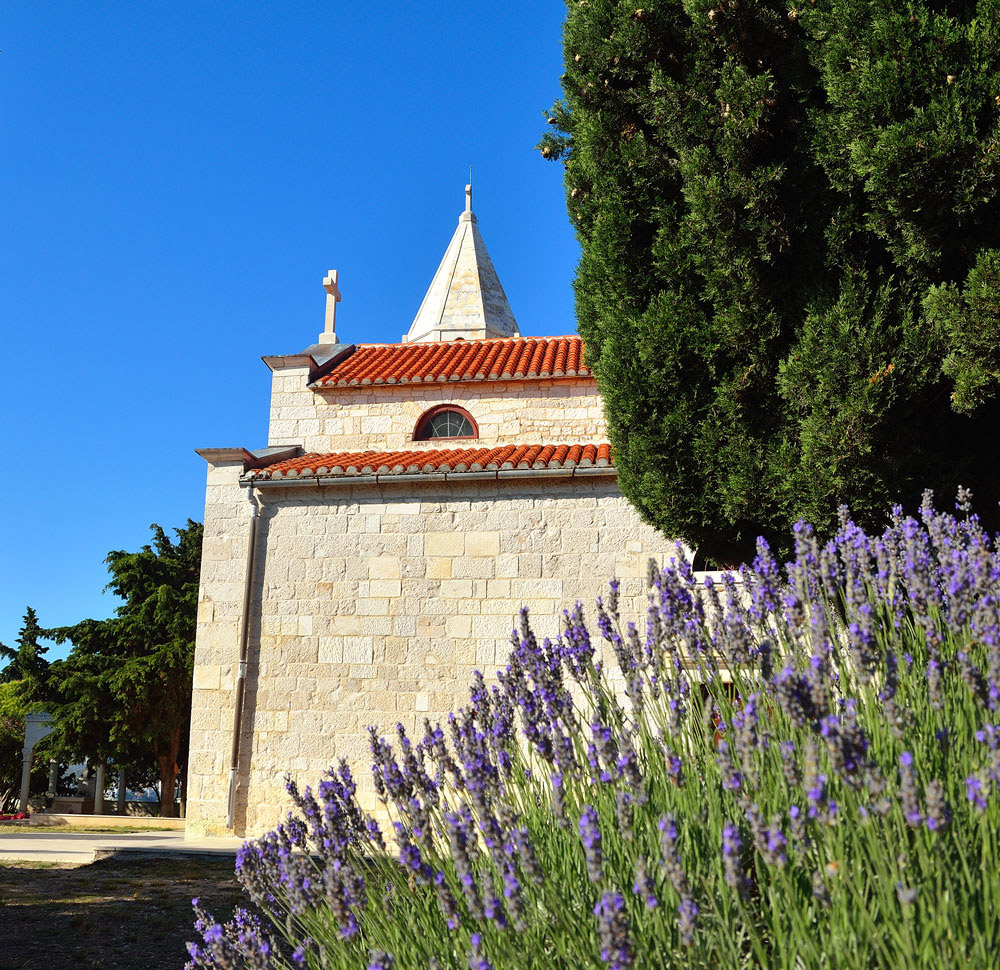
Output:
[[125, 914]]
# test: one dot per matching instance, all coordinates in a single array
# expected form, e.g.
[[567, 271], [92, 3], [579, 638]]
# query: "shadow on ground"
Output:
[[126, 914]]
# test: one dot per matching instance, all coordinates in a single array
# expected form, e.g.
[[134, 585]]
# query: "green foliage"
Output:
[[26, 662], [12, 711], [13, 708], [790, 268], [969, 320], [22, 684], [124, 692]]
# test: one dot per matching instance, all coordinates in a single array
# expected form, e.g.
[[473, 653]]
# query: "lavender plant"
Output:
[[798, 768]]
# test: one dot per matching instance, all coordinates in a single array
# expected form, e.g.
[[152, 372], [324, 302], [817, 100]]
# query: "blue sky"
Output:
[[177, 178]]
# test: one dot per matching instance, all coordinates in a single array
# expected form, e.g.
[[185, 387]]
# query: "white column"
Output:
[[22, 805], [99, 789]]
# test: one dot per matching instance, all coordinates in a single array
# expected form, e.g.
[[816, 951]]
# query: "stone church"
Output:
[[412, 497]]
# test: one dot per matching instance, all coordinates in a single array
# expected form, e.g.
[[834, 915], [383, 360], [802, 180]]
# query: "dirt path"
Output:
[[113, 915]]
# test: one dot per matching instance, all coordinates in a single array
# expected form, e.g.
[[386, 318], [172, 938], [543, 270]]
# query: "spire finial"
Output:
[[468, 192]]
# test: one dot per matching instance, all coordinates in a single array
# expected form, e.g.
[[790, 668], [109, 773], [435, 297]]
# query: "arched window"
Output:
[[445, 421]]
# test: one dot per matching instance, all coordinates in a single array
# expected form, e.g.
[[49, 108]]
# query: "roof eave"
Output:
[[326, 481], [319, 358], [318, 385], [250, 459]]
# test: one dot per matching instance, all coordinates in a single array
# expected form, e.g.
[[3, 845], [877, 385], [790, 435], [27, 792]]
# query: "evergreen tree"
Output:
[[124, 692], [25, 662], [22, 685], [789, 285]]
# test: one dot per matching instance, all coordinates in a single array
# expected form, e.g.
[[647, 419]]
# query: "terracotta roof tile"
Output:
[[502, 458], [520, 358]]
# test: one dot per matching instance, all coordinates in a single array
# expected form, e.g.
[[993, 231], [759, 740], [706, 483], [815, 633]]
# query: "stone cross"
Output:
[[329, 334], [468, 198]]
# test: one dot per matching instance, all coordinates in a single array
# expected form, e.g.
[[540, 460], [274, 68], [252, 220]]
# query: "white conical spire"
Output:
[[465, 298]]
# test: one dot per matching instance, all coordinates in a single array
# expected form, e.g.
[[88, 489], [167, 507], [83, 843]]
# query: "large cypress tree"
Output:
[[790, 269]]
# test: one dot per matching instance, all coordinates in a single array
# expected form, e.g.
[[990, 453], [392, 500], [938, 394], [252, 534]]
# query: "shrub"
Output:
[[797, 769]]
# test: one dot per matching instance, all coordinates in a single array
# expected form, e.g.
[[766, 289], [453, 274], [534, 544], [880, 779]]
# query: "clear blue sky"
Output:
[[177, 178]]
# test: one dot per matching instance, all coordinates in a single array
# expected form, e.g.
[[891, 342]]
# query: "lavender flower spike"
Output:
[[590, 835], [732, 858], [612, 923], [687, 920]]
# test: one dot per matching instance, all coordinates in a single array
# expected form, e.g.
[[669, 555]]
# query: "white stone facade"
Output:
[[374, 605]]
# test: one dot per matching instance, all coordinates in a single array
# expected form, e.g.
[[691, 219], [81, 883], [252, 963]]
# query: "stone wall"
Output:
[[375, 604], [382, 417]]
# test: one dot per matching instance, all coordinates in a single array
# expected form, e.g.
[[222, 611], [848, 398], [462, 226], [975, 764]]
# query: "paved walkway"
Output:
[[84, 847]]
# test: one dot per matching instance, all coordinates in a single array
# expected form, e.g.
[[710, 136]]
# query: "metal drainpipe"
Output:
[[241, 670]]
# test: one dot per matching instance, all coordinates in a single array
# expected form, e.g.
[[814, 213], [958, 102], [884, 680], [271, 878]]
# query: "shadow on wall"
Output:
[[251, 687]]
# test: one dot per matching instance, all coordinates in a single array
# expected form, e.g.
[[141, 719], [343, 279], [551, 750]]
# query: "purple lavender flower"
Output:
[[789, 764], [447, 902], [613, 928], [936, 807], [492, 906], [461, 841], [797, 827], [732, 858], [675, 768], [974, 793], [817, 792], [643, 884], [410, 855], [670, 857], [476, 959], [590, 835], [732, 780], [908, 791], [380, 960], [846, 744], [558, 798], [514, 896], [819, 890], [602, 753], [687, 920], [240, 942], [769, 839], [624, 802], [343, 890]]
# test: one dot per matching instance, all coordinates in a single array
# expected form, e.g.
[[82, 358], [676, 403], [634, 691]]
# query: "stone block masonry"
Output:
[[374, 604], [383, 417]]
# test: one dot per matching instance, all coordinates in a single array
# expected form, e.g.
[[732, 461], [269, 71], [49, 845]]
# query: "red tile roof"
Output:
[[503, 458], [519, 358]]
